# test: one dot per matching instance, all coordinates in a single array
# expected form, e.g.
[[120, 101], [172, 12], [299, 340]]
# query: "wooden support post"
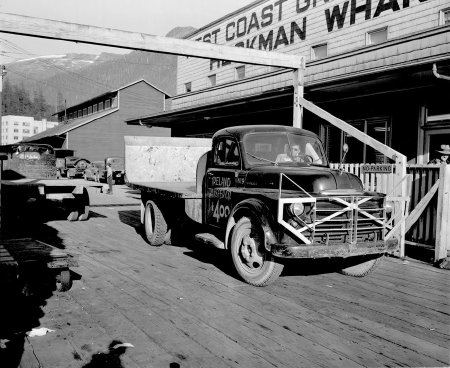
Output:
[[297, 81], [1, 171], [400, 173], [443, 214]]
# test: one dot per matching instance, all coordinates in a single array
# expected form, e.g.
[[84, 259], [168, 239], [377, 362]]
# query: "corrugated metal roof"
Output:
[[64, 128]]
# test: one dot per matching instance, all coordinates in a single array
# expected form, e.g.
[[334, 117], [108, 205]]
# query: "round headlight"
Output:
[[297, 209]]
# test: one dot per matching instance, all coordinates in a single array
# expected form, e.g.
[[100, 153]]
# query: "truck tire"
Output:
[[155, 224], [252, 261], [64, 281], [362, 269]]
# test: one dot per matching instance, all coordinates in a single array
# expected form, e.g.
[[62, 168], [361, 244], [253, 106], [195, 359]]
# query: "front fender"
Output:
[[257, 209]]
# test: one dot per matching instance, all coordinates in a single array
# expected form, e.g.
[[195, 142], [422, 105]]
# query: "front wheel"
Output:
[[155, 224], [251, 260], [361, 267]]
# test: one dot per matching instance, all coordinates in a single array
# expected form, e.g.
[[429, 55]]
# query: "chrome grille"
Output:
[[347, 219]]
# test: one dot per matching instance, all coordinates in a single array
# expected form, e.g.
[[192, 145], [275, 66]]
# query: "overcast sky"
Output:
[[156, 17]]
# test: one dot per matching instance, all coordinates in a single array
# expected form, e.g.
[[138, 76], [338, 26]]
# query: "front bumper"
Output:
[[342, 250]]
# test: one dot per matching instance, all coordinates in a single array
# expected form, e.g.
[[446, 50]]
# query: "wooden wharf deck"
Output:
[[182, 306]]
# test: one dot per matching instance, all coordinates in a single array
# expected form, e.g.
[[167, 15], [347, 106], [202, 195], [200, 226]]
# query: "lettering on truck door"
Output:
[[221, 178]]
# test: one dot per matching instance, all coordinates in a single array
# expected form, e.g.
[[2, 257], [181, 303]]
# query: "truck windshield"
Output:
[[283, 149]]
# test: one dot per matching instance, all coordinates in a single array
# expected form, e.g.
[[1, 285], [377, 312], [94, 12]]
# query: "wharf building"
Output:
[[380, 65]]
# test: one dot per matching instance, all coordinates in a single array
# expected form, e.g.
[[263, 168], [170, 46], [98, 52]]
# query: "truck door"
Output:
[[220, 179]]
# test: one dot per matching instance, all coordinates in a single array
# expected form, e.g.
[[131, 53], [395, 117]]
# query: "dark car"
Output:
[[72, 166]]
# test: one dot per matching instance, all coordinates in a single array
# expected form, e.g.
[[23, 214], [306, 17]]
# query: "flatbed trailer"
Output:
[[18, 256], [173, 190], [72, 191]]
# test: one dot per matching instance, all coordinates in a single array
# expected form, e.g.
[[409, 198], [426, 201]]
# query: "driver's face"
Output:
[[295, 151]]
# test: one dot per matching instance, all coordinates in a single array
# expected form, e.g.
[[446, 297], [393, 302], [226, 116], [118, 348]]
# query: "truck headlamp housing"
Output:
[[296, 209]]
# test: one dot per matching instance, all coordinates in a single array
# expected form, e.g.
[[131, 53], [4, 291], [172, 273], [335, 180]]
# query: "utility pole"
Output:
[[2, 73]]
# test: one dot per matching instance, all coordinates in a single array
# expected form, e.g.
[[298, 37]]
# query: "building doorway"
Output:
[[434, 139], [334, 139]]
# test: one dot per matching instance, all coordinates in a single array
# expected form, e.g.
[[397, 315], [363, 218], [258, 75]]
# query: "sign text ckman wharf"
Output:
[[238, 30]]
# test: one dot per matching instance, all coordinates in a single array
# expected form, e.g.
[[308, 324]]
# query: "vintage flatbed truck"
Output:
[[253, 197]]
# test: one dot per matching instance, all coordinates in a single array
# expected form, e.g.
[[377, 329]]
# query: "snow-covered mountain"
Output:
[[78, 77]]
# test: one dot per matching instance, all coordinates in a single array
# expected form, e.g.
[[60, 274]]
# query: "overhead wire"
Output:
[[71, 73]]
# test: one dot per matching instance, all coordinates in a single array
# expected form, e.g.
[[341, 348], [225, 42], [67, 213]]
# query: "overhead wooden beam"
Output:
[[57, 30], [351, 130]]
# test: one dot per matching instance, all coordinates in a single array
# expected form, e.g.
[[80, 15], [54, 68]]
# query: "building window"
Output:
[[444, 17], [25, 123], [16, 130], [35, 130], [358, 152], [85, 111], [188, 87], [89, 110], [80, 113], [26, 131], [376, 36], [107, 104], [100, 106], [16, 123], [319, 51], [240, 72], [226, 153], [95, 108], [212, 80], [114, 102]]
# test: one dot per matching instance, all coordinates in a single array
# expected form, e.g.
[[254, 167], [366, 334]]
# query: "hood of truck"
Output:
[[313, 179]]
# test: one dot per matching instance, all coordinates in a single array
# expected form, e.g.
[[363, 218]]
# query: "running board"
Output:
[[210, 239]]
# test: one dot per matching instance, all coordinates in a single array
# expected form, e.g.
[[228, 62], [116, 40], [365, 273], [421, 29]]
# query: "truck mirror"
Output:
[[344, 150]]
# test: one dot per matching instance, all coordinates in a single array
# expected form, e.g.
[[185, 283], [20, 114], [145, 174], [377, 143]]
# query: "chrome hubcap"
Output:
[[249, 252]]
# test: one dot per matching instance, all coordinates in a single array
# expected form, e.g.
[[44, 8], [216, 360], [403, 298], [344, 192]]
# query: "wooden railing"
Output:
[[423, 177]]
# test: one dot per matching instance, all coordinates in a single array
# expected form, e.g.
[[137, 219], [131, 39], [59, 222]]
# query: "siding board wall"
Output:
[[418, 17], [104, 137]]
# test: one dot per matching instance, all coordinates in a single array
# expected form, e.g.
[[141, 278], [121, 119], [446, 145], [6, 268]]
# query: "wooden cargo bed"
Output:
[[27, 252]]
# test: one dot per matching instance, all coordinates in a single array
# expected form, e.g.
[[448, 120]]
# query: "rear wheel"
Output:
[[251, 260], [155, 224], [64, 281], [363, 268]]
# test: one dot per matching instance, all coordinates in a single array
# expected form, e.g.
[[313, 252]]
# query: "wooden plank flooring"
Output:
[[183, 306]]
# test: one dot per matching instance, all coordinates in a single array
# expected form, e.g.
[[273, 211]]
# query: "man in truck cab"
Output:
[[295, 154], [290, 155]]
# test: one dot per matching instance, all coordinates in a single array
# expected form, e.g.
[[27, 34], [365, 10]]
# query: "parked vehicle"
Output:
[[94, 171], [118, 168], [28, 177], [71, 166], [253, 197]]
